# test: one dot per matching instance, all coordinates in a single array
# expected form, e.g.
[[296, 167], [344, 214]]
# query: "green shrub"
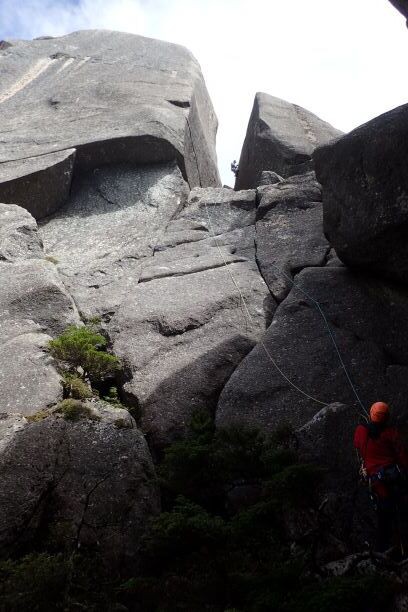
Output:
[[82, 349], [76, 387], [35, 582], [296, 484], [239, 453], [204, 463], [73, 410], [187, 528], [187, 469], [199, 556], [43, 582]]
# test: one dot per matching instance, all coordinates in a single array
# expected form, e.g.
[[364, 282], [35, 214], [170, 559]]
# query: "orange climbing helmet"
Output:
[[379, 412]]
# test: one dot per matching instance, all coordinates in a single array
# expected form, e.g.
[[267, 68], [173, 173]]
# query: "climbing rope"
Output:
[[265, 348]]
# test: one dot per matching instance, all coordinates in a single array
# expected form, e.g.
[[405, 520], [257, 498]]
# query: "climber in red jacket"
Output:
[[384, 464]]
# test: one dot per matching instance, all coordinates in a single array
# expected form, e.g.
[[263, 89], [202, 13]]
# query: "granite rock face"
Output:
[[110, 96], [18, 234], [281, 137], [34, 305], [180, 351], [289, 234], [164, 270], [210, 297], [366, 317], [111, 223], [58, 474], [365, 195]]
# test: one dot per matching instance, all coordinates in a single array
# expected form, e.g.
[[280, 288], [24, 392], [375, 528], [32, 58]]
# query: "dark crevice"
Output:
[[180, 103], [213, 266], [194, 152], [326, 258]]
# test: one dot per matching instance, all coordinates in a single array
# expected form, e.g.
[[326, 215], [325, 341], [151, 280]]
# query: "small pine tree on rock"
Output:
[[83, 351]]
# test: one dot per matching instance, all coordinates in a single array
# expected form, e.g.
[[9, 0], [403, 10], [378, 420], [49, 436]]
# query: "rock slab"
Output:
[[289, 231], [111, 96], [367, 319], [112, 221], [281, 138], [184, 328]]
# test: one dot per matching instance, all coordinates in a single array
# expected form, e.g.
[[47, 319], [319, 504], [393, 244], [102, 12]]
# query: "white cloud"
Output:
[[345, 61]]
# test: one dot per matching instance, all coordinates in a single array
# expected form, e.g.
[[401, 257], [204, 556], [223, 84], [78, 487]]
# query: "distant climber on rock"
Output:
[[385, 467], [234, 168]]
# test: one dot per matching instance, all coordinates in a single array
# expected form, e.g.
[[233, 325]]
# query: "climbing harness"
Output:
[[265, 348]]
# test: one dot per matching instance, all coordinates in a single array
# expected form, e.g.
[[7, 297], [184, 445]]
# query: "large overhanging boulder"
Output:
[[112, 222], [365, 194], [280, 137], [111, 96]]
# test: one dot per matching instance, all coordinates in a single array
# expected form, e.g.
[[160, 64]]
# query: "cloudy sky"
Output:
[[344, 60]]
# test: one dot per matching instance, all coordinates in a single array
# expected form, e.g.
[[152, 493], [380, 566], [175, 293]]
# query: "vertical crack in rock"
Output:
[[194, 152]]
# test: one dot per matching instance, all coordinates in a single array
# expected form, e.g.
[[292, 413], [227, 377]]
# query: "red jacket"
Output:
[[385, 450]]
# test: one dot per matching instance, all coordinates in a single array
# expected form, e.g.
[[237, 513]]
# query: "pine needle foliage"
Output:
[[83, 351]]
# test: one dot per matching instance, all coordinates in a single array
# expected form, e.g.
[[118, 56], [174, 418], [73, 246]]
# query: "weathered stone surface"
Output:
[[289, 231], [86, 483], [19, 237], [189, 266], [112, 222], [213, 218], [39, 184], [112, 96], [280, 137], [28, 379], [179, 351], [227, 209], [332, 259], [33, 290], [9, 426], [367, 318], [365, 194], [33, 305], [269, 178]]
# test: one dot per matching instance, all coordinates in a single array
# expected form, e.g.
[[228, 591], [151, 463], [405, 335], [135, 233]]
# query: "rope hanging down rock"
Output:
[[265, 348]]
